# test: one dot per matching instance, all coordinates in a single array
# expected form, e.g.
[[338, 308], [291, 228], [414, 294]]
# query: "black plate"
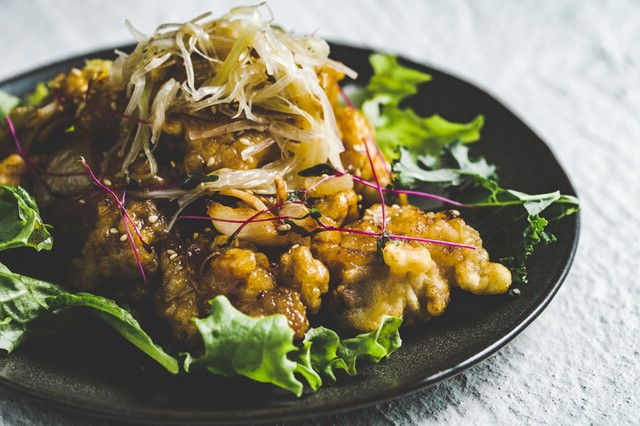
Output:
[[100, 374]]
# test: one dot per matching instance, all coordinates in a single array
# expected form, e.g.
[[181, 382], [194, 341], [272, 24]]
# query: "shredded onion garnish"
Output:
[[266, 78]]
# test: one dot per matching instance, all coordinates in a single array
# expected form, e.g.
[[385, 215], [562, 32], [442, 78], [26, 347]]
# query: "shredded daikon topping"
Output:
[[265, 77]]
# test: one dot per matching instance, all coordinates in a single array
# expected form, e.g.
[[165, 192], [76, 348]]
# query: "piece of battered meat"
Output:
[[176, 300], [205, 155], [245, 276], [412, 281], [299, 271], [12, 170], [341, 207], [471, 270], [108, 264]]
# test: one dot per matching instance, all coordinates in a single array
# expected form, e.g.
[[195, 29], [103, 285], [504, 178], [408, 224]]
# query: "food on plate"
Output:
[[219, 173]]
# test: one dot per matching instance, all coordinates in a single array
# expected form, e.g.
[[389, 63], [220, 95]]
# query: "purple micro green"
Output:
[[131, 242], [121, 205], [416, 193]]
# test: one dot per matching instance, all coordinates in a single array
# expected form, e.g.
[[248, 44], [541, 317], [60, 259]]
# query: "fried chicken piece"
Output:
[[341, 207], [177, 298], [108, 263], [407, 284], [194, 273], [279, 300], [412, 280], [469, 269], [12, 170], [355, 131], [246, 277], [205, 155], [299, 271]]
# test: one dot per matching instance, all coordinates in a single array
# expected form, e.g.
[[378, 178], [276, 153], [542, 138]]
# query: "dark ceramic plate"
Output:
[[100, 374]]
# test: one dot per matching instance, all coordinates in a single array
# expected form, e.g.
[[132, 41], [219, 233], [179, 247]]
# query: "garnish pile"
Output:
[[219, 175]]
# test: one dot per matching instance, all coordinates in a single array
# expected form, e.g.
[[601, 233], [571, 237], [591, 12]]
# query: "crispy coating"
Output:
[[177, 300], [108, 262], [195, 273], [341, 207], [12, 170], [225, 151], [413, 279], [356, 131], [279, 300], [299, 271], [246, 277], [471, 270]]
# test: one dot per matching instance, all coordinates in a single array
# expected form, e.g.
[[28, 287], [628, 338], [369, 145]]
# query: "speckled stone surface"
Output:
[[571, 70]]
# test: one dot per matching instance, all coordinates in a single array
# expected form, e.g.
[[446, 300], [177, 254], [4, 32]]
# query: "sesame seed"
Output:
[[211, 161], [114, 231], [195, 235], [81, 201], [284, 228], [295, 246], [173, 256], [173, 163], [113, 105], [153, 218], [107, 182], [124, 237], [171, 252], [207, 229], [244, 141]]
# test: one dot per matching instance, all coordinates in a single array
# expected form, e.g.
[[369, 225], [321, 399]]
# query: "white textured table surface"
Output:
[[571, 70]]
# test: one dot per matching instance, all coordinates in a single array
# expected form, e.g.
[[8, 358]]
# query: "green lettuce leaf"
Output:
[[39, 94], [328, 353], [392, 82], [24, 299], [262, 349], [7, 103], [20, 221], [118, 318], [397, 126], [237, 344]]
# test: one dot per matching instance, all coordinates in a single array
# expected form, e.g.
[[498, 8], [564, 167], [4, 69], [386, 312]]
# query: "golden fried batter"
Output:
[[412, 280], [12, 170], [107, 256]]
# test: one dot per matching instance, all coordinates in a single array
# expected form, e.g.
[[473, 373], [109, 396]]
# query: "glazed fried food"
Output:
[[413, 279], [195, 182], [195, 273]]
